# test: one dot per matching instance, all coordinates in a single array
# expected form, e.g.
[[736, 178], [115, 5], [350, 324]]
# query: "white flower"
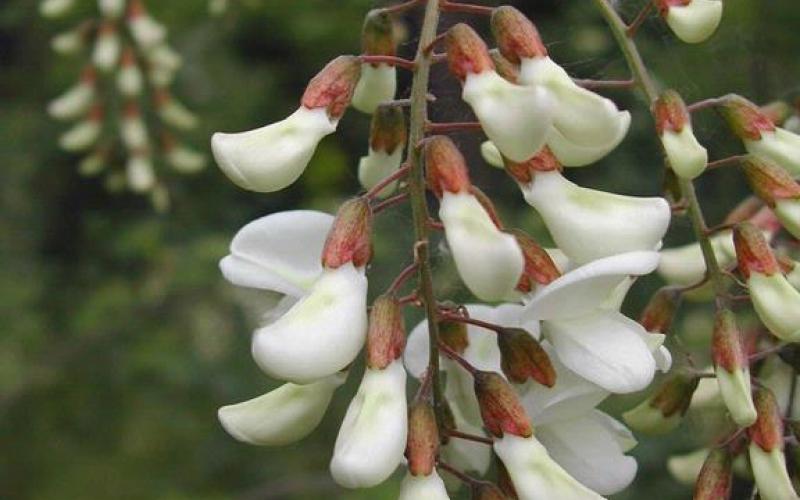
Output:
[[272, 157], [587, 224], [778, 377], [686, 468], [146, 31], [429, 487], [139, 172], [378, 84], [696, 21], [106, 49], [134, 132], [129, 80], [535, 475], [780, 146], [378, 165], [491, 154], [55, 8], [777, 304], [282, 416], [686, 266], [67, 43], [769, 470], [81, 136], [687, 157], [185, 160], [74, 102], [488, 260], [516, 118], [788, 212], [586, 126], [321, 334], [111, 8], [92, 164], [736, 393], [372, 438], [164, 57], [176, 114]]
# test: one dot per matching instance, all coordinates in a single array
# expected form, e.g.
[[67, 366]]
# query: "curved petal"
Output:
[[491, 154], [588, 224], [588, 287], [279, 252], [605, 348], [696, 21], [372, 437], [586, 449], [283, 416], [685, 265], [788, 212], [377, 84], [378, 165], [72, 103], [687, 157], [572, 154], [686, 468], [780, 146], [321, 334], [423, 487], [777, 304]]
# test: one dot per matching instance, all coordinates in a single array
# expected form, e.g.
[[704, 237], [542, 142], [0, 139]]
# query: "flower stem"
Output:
[[419, 205]]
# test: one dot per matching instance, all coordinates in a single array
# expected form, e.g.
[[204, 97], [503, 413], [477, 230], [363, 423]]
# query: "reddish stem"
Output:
[[601, 84], [470, 437], [402, 7], [457, 473], [725, 162], [377, 188], [400, 62], [457, 358], [472, 321], [704, 104], [443, 128], [401, 278], [633, 28], [448, 6], [389, 202]]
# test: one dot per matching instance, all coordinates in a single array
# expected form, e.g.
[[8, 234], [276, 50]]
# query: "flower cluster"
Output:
[[509, 386], [123, 109]]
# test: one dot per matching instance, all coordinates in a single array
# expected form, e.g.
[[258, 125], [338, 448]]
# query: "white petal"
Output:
[[106, 51], [146, 31], [73, 103], [777, 377], [535, 475], [588, 224], [67, 43], [55, 8], [788, 212], [134, 133], [321, 334], [573, 154], [272, 157], [176, 114], [423, 487], [769, 469], [130, 81], [185, 160], [280, 252], [81, 136], [377, 166], [372, 437], [736, 393], [282, 416], [685, 265], [695, 22], [661, 354], [777, 304], [140, 174], [588, 287], [686, 468], [491, 154], [687, 157], [780, 146], [514, 117], [489, 261], [111, 8], [605, 348], [586, 449], [376, 85]]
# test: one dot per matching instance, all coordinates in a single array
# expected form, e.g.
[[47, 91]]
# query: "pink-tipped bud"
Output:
[[445, 166], [423, 439], [333, 87], [386, 337], [670, 112], [769, 181], [500, 407], [777, 111], [349, 238], [767, 432], [539, 266], [466, 52], [675, 394], [726, 344], [753, 252], [659, 313], [504, 67], [516, 36], [377, 36], [716, 476], [522, 357], [745, 118], [484, 490], [454, 335], [388, 130], [543, 161]]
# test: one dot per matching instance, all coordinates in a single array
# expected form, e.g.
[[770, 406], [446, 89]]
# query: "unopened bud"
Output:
[[423, 439], [693, 21], [522, 357], [445, 166], [716, 476], [349, 238], [664, 409], [687, 157], [543, 161], [377, 36], [333, 87], [659, 313], [516, 36], [539, 266], [388, 129], [484, 490], [386, 337], [454, 335], [500, 407], [777, 111], [504, 67], [769, 181], [466, 52], [753, 252], [744, 118], [670, 112], [732, 369], [767, 431]]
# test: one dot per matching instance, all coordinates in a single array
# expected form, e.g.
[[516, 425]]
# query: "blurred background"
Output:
[[119, 338]]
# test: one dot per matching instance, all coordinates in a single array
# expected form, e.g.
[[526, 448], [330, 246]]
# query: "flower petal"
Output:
[[377, 84], [378, 165], [423, 488], [696, 21]]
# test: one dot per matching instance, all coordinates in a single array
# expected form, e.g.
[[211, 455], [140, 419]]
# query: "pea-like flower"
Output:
[[687, 157], [387, 140], [84, 134], [693, 21], [107, 48], [146, 31], [378, 81], [55, 8], [77, 100], [732, 369]]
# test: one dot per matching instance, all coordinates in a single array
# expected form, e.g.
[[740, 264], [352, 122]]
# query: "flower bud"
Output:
[[85, 133], [94, 163], [378, 81], [377, 35], [430, 487], [524, 172], [55, 8], [350, 237], [500, 407], [133, 129], [516, 36], [776, 187], [522, 357], [77, 100], [388, 137], [753, 251], [423, 439], [686, 156], [445, 167], [111, 8], [173, 112], [716, 476], [333, 87], [659, 313], [129, 78], [69, 42], [105, 53], [766, 449], [386, 337], [282, 416], [664, 409], [467, 54], [182, 158], [732, 369], [539, 266], [146, 31], [504, 67], [745, 119], [139, 172], [693, 21]]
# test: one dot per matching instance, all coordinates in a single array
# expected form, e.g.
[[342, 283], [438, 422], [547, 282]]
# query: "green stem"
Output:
[[643, 80], [419, 204]]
